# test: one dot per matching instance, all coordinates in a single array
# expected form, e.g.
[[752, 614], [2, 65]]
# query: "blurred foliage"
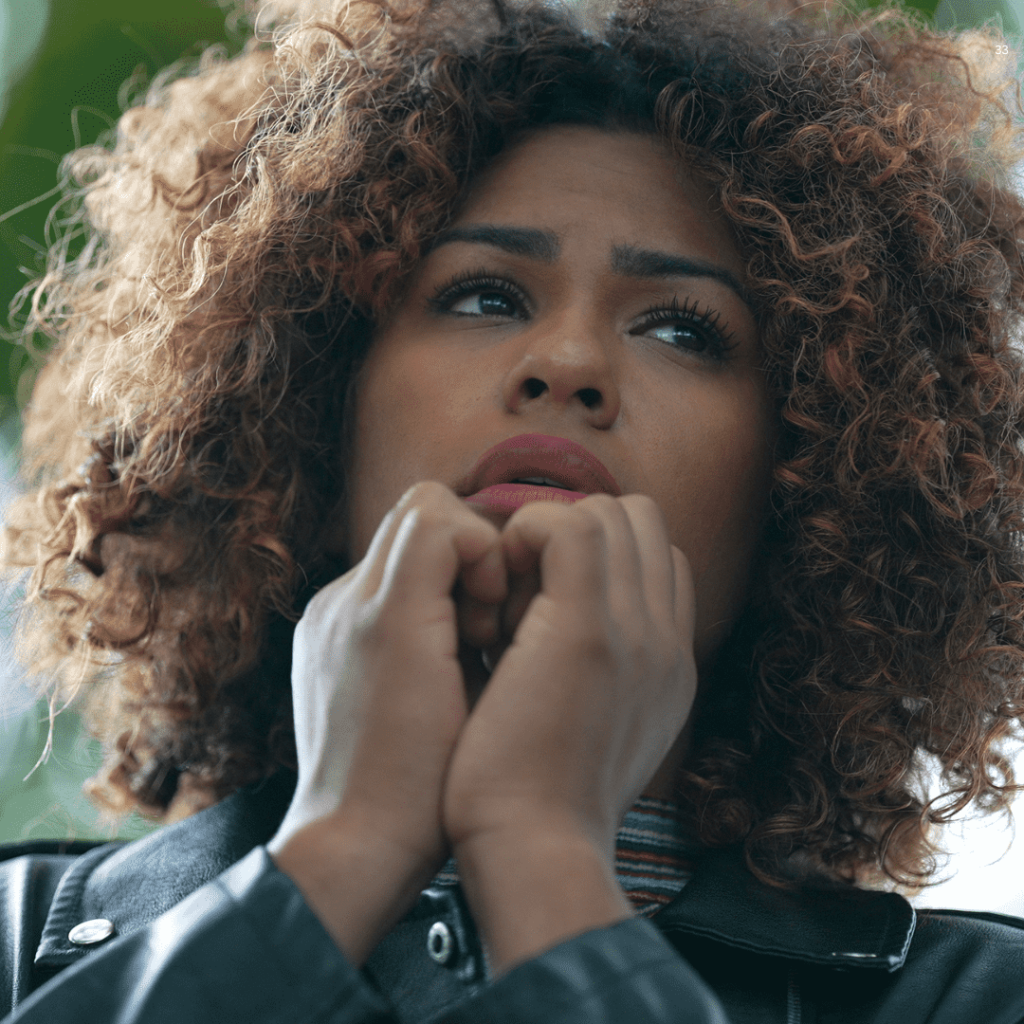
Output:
[[97, 57]]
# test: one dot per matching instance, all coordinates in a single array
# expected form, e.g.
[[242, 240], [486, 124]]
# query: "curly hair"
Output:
[[186, 445]]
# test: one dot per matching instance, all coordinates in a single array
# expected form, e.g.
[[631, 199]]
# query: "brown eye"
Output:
[[479, 295], [484, 304], [689, 329], [680, 335]]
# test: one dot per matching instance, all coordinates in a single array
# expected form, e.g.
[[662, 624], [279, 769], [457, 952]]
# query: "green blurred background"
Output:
[[68, 68]]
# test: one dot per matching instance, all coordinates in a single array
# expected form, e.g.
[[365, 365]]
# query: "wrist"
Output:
[[530, 891], [358, 884]]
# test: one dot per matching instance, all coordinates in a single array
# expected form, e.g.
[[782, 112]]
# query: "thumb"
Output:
[[684, 606]]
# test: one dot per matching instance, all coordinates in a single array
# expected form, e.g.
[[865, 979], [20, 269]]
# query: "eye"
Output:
[[687, 328], [480, 295], [484, 304], [681, 335]]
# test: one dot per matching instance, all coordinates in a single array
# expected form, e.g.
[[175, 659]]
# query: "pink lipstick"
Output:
[[510, 474]]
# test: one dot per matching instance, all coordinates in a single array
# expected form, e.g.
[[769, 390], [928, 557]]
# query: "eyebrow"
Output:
[[530, 242], [632, 261], [627, 260]]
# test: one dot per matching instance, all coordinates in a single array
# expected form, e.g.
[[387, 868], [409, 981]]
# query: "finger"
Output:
[[616, 548], [668, 579], [371, 568], [640, 562], [575, 566], [684, 607], [638, 550], [431, 537], [359, 574], [657, 563], [627, 597], [523, 588], [485, 579], [490, 625], [478, 622], [480, 591], [495, 638]]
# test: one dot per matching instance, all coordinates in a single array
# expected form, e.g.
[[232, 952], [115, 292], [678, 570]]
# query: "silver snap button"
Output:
[[440, 943], [88, 933]]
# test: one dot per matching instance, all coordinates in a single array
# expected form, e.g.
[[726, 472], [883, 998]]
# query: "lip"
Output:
[[539, 455]]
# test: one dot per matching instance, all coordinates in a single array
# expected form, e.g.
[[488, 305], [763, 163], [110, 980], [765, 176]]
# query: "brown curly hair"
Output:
[[186, 443]]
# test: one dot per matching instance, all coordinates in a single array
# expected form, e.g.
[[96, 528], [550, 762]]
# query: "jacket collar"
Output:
[[831, 925], [130, 884]]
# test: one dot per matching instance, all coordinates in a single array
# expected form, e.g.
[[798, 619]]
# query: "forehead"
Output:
[[602, 187]]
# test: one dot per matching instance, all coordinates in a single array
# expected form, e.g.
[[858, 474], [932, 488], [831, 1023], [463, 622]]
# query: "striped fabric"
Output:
[[655, 856]]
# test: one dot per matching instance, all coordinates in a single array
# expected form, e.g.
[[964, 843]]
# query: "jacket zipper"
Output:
[[793, 1013]]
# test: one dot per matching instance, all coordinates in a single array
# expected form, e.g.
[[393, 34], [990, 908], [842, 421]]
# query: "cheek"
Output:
[[719, 507], [377, 446], [404, 404]]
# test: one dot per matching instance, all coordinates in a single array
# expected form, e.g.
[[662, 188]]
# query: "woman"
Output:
[[626, 412]]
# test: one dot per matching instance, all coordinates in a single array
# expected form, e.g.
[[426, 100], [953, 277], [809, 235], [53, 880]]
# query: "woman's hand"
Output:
[[597, 682], [379, 699], [580, 711]]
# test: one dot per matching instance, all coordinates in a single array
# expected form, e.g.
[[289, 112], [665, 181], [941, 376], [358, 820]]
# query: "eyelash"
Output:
[[720, 343], [468, 282], [707, 322]]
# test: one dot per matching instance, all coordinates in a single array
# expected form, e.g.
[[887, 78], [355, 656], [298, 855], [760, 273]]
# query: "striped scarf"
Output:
[[654, 856]]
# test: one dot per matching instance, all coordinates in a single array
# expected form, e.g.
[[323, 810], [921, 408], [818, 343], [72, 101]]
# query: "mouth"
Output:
[[536, 467], [508, 497]]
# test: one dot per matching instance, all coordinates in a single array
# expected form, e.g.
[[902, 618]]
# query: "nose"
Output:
[[569, 360]]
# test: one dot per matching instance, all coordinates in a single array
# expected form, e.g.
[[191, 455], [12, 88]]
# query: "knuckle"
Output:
[[438, 506], [318, 606], [424, 498], [637, 652], [424, 490], [599, 501], [589, 525], [426, 494], [432, 516], [601, 510], [373, 624], [639, 504], [659, 653], [594, 642], [643, 507], [428, 518]]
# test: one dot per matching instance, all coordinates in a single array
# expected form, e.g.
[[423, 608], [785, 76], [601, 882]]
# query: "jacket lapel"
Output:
[[831, 925], [132, 884]]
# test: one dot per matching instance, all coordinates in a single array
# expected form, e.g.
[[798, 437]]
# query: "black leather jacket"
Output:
[[207, 931]]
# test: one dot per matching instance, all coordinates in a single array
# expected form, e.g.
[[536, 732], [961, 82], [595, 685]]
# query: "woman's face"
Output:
[[585, 291]]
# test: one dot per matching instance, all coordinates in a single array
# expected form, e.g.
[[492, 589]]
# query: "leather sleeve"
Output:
[[627, 972], [245, 947]]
